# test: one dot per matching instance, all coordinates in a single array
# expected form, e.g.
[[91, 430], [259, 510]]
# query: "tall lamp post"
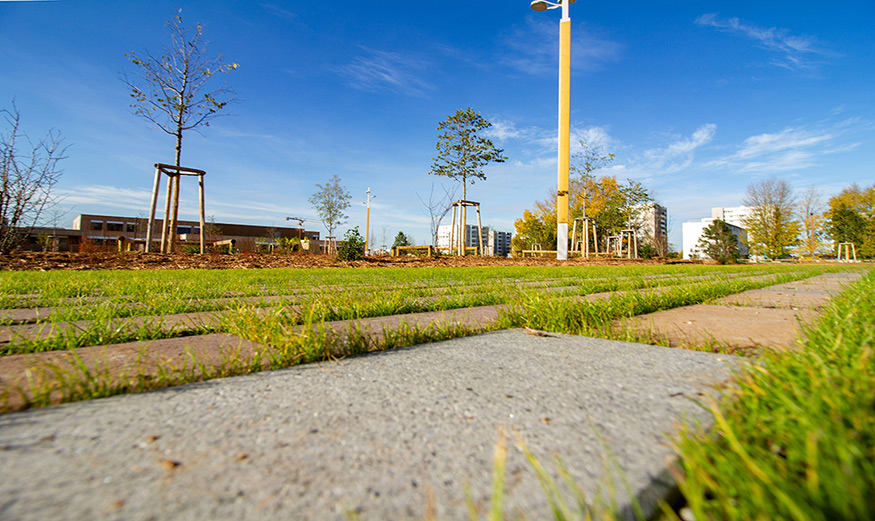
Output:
[[368, 222], [564, 120]]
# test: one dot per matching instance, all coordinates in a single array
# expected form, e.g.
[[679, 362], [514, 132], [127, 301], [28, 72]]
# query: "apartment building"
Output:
[[495, 243]]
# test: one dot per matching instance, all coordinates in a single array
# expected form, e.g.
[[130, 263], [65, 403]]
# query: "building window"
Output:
[[97, 226], [114, 227], [183, 229], [130, 227]]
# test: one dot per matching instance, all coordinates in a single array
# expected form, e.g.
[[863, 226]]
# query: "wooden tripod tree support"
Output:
[[848, 249], [457, 240], [174, 173], [632, 243], [582, 246]]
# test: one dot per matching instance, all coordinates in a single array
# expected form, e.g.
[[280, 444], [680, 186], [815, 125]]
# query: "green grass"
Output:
[[795, 439]]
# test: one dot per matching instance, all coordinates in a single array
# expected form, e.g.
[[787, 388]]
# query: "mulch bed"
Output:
[[39, 261]]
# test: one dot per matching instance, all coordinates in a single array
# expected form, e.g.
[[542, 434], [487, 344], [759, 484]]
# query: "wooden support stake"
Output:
[[166, 223], [155, 189], [480, 231], [200, 178]]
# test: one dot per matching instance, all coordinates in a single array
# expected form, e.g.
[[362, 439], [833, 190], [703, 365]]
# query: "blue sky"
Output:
[[697, 99]]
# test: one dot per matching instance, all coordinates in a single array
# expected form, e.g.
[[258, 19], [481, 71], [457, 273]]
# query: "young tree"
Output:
[[330, 201], [462, 153], [771, 227], [26, 179], [813, 229], [438, 207], [719, 243], [401, 240], [174, 90], [353, 246]]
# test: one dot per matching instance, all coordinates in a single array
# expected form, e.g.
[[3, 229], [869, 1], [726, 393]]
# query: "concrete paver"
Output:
[[372, 434], [771, 317]]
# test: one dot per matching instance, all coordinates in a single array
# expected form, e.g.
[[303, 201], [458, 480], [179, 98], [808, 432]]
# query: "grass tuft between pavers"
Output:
[[795, 439]]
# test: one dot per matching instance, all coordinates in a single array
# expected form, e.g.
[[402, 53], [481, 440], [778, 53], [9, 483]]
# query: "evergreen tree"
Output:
[[719, 243]]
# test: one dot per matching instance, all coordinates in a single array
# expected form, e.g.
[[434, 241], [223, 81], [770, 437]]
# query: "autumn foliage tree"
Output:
[[851, 218], [772, 227], [610, 203]]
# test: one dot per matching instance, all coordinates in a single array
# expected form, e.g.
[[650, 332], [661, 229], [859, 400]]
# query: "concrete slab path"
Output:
[[771, 317], [375, 434]]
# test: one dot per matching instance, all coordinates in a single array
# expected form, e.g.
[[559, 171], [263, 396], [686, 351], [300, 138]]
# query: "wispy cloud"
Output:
[[112, 196], [534, 48], [791, 149], [543, 142], [792, 52], [787, 139], [280, 12], [680, 153], [376, 70]]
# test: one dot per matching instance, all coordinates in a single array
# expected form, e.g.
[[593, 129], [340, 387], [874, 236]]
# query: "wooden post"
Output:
[[155, 189], [200, 178], [175, 215], [166, 223], [480, 231], [595, 238], [453, 231]]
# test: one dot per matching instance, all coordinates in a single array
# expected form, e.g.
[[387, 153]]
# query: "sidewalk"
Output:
[[375, 434]]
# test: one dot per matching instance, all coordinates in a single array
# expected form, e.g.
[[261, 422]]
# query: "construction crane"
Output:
[[301, 222]]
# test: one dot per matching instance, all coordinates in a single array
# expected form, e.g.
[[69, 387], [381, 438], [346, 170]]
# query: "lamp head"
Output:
[[543, 5]]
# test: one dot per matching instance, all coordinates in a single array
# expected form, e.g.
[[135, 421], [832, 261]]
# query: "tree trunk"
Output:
[[176, 178]]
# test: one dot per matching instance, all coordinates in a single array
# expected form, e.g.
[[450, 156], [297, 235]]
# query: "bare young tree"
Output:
[[811, 213], [438, 207], [27, 178], [173, 90]]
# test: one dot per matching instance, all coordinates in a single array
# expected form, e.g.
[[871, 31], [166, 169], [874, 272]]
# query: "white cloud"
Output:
[[111, 196], [534, 48], [793, 52], [387, 71], [790, 138], [677, 155]]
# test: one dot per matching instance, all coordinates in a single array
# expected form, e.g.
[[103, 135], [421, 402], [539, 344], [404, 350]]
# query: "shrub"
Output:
[[353, 246]]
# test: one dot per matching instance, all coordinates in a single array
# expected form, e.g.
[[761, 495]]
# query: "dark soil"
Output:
[[38, 261]]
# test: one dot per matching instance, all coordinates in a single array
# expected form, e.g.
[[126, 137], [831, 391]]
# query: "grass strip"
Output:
[[594, 317], [795, 439]]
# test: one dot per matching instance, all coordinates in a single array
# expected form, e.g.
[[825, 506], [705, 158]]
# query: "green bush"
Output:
[[353, 246]]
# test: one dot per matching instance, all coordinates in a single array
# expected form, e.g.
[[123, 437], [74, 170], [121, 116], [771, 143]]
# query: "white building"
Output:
[[735, 215], [692, 233], [651, 222], [495, 243]]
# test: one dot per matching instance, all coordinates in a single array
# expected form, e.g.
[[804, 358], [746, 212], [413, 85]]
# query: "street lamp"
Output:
[[564, 120], [368, 222]]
